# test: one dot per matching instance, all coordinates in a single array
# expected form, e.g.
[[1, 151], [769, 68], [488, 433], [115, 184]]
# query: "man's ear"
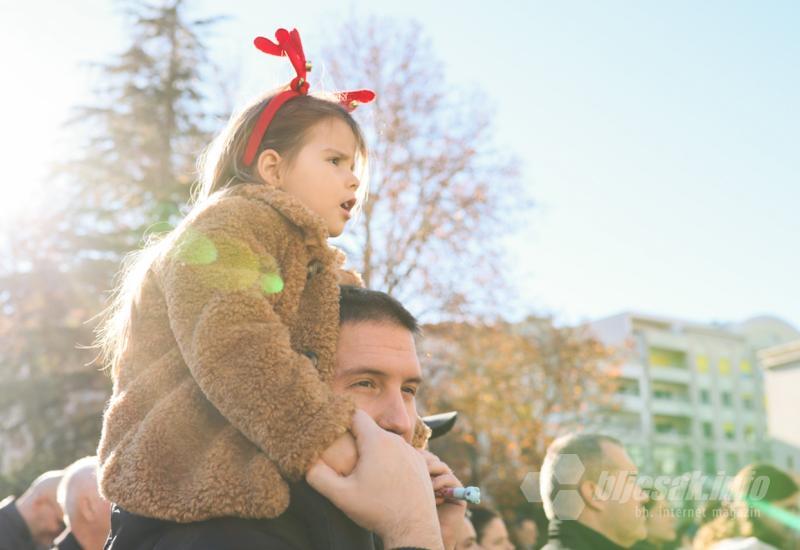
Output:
[[268, 167], [592, 495], [86, 508]]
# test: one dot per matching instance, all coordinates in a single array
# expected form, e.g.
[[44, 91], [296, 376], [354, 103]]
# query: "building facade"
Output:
[[781, 366], [690, 396]]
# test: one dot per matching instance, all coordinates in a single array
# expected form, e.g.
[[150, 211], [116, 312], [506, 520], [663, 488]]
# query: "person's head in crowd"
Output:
[[87, 514], [467, 538], [609, 499], [526, 532], [659, 520], [40, 510], [710, 510], [685, 535], [490, 529], [762, 498], [376, 359]]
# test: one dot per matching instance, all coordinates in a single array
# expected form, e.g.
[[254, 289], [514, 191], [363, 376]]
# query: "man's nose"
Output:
[[394, 416]]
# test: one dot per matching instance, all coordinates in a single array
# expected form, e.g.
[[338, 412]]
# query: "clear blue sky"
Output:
[[660, 140]]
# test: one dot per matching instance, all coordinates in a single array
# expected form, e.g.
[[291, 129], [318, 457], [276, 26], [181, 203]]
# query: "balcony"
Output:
[[672, 428], [663, 339], [671, 374], [671, 406]]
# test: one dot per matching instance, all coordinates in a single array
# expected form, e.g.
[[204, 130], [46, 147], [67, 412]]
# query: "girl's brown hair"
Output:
[[220, 169], [221, 165]]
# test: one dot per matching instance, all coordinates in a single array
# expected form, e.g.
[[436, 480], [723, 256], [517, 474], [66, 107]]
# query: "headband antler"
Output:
[[289, 45]]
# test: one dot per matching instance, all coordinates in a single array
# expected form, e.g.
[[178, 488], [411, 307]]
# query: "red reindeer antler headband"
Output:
[[289, 45]]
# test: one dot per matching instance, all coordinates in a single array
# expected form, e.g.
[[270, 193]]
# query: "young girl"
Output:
[[222, 336]]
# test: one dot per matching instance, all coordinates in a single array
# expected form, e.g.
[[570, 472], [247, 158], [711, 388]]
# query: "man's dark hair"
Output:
[[361, 304], [480, 516]]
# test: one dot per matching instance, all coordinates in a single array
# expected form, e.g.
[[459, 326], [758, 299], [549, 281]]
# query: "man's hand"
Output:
[[450, 512], [390, 490], [342, 455]]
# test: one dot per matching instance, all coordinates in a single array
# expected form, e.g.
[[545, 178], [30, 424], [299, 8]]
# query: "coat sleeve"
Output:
[[221, 279]]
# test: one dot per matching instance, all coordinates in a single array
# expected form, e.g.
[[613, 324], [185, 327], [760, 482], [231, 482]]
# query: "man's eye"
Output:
[[410, 390], [364, 384], [335, 161]]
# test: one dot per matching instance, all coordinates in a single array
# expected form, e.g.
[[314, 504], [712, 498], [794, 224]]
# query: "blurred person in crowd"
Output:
[[603, 508], [659, 522], [526, 533], [711, 509], [764, 505], [685, 536], [467, 538], [33, 520], [86, 513], [490, 529]]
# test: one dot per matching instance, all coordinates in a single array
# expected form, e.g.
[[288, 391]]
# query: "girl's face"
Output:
[[321, 174], [495, 536]]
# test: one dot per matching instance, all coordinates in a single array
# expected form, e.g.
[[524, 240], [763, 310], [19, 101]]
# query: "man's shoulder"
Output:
[[233, 533], [133, 532], [14, 533]]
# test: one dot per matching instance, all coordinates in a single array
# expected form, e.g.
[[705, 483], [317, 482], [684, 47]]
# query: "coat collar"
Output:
[[573, 534], [312, 226]]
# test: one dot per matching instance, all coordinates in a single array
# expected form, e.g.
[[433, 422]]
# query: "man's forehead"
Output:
[[377, 345]]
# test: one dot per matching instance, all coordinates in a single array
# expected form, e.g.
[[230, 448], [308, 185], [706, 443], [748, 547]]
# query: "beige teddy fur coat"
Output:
[[223, 394]]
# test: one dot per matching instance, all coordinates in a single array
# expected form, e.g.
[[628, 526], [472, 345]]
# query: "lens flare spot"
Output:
[[271, 283], [196, 249]]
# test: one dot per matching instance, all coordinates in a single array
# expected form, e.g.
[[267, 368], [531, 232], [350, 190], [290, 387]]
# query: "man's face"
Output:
[[377, 365], [527, 532], [621, 502], [48, 521]]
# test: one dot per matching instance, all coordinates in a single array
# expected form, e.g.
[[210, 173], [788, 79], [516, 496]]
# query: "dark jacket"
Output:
[[572, 535], [14, 532], [66, 541], [310, 523]]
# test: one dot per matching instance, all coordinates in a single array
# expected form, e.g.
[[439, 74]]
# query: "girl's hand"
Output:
[[342, 455], [451, 512]]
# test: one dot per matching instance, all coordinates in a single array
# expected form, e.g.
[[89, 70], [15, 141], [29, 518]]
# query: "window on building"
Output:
[[730, 430], [747, 401], [710, 462], [674, 425], [708, 430], [750, 433], [731, 463], [671, 391], [661, 357], [727, 399], [665, 460], [745, 367], [701, 362], [724, 366], [636, 452], [628, 386], [705, 396]]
